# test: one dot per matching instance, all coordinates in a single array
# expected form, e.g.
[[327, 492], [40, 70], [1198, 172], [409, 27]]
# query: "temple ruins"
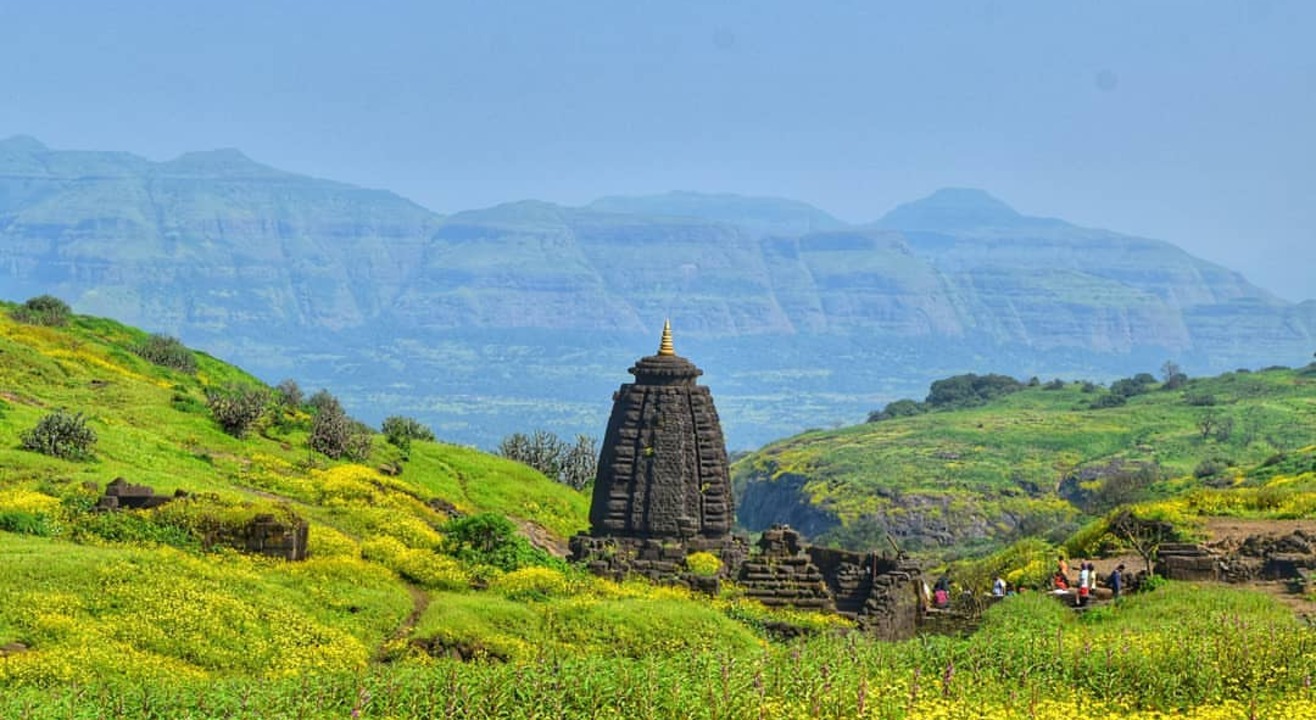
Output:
[[663, 493]]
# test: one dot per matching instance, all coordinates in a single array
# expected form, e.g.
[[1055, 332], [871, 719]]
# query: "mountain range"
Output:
[[526, 314]]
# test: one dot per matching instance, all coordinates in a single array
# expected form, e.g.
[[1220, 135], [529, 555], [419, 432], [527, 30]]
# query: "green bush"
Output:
[[573, 465], [336, 435], [491, 539], [45, 310], [62, 435], [27, 523], [132, 527], [400, 431], [322, 400], [167, 351], [289, 394], [704, 564], [1109, 400], [1210, 467], [897, 409], [237, 407], [966, 391]]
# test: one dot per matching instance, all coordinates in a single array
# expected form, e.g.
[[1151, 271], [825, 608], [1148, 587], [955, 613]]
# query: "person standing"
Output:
[[1084, 583], [941, 592], [998, 587], [1117, 581]]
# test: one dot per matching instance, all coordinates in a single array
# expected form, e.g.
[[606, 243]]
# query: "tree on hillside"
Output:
[[399, 431], [572, 465], [1144, 535], [167, 351], [581, 463], [46, 310], [1214, 424], [237, 407], [897, 409], [336, 435], [290, 394], [1173, 376], [964, 391], [1169, 369]]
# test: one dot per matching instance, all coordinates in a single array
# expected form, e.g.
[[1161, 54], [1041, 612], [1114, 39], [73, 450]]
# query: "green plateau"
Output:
[[1040, 461]]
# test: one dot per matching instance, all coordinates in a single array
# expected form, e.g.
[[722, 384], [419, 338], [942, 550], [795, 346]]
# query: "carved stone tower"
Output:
[[663, 466], [662, 496]]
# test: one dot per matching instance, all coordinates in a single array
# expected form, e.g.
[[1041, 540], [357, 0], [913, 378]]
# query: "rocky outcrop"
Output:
[[122, 495], [1289, 556]]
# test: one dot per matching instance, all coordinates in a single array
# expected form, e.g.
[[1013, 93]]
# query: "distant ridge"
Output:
[[762, 215], [958, 208], [522, 314]]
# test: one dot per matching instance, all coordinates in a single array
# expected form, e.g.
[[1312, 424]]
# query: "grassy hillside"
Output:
[[1034, 461], [133, 595], [125, 615]]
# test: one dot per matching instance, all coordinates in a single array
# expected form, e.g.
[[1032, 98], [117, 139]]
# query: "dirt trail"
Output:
[[420, 600]]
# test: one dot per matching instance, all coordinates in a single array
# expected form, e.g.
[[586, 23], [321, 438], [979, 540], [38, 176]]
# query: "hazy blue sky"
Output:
[[1187, 121]]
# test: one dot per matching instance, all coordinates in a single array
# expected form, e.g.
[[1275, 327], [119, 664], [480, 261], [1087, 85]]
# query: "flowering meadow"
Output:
[[421, 596]]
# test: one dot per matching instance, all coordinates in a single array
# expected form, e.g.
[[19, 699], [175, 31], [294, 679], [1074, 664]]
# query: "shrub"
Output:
[[1056, 384], [572, 465], [1200, 400], [45, 310], [704, 564], [336, 435], [1109, 400], [400, 431], [897, 409], [1211, 467], [289, 394], [322, 400], [62, 435], [237, 407], [964, 391], [167, 351], [132, 527], [27, 523], [490, 539], [1129, 387]]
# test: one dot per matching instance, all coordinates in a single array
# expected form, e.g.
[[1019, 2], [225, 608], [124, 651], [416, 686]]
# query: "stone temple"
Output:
[[663, 468], [662, 489], [663, 493]]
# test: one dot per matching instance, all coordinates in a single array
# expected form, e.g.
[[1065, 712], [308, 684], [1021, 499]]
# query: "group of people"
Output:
[[1087, 580], [1060, 581]]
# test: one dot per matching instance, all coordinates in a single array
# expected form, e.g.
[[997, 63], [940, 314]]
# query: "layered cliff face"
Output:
[[804, 319], [209, 240]]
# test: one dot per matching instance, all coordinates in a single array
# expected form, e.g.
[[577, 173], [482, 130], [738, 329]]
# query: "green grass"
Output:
[[1185, 651], [1006, 459], [125, 616]]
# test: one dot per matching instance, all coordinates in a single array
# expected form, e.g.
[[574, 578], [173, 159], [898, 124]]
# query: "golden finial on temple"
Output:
[[665, 347]]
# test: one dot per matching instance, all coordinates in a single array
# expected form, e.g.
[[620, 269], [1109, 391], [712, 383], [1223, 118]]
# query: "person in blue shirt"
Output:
[[1117, 581]]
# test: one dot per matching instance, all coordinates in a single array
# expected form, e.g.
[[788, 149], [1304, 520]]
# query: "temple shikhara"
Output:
[[663, 493]]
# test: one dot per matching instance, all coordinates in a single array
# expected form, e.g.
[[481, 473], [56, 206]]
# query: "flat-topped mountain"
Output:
[[493, 320]]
